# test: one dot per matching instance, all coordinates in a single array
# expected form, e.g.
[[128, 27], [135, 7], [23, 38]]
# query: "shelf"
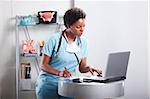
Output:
[[33, 20], [29, 55], [27, 20], [23, 24]]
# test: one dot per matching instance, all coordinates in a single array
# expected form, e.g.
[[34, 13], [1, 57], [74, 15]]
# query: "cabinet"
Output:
[[29, 41]]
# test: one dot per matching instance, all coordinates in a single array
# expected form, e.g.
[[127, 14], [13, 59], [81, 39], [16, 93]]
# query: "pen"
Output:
[[67, 72], [65, 68]]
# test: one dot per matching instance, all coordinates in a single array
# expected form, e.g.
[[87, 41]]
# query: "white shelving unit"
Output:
[[33, 58]]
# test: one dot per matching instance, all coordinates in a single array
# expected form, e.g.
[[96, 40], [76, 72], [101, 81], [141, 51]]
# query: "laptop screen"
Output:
[[117, 64]]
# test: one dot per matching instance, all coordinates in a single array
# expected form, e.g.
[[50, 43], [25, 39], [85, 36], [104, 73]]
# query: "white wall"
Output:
[[22, 8], [9, 9], [7, 52], [149, 46], [114, 25]]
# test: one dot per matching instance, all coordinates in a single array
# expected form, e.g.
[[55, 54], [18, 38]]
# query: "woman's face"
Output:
[[78, 27]]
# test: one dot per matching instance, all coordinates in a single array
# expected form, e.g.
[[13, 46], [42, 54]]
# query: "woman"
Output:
[[62, 53]]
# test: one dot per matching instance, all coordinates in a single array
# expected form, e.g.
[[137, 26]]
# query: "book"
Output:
[[25, 70]]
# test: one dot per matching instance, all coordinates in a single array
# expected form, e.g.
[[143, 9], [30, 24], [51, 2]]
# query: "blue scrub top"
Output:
[[63, 58], [47, 84]]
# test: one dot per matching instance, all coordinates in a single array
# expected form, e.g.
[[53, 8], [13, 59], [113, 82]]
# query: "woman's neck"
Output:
[[69, 36]]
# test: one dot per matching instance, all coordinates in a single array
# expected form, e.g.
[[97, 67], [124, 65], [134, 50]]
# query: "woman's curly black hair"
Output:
[[72, 15]]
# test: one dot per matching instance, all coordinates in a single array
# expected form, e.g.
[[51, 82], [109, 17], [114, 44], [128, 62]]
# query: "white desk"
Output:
[[90, 90]]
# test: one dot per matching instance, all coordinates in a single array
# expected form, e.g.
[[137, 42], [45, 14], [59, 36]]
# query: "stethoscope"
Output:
[[59, 44]]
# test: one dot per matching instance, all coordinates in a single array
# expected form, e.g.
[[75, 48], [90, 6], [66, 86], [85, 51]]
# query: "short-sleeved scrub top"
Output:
[[47, 84]]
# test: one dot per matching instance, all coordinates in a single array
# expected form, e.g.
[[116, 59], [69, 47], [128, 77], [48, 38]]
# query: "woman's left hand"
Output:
[[98, 71]]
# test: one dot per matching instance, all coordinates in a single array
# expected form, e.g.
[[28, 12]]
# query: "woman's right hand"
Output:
[[65, 73]]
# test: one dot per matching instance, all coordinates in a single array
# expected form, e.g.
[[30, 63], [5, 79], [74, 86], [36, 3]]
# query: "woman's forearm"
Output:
[[84, 69], [49, 69]]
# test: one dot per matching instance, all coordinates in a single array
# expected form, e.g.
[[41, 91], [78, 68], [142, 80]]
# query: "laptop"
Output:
[[116, 69]]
